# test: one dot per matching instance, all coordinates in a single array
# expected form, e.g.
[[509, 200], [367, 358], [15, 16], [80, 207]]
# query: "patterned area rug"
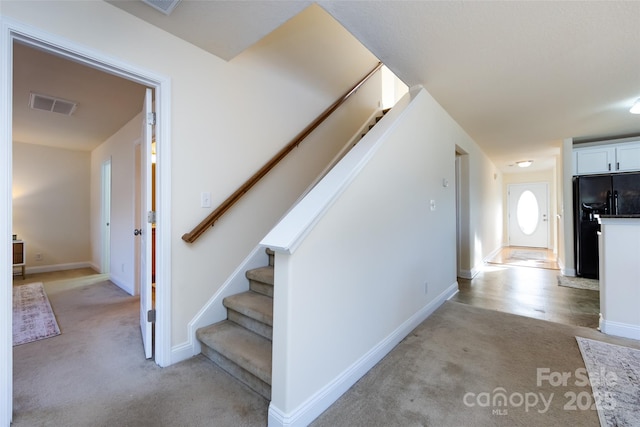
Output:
[[614, 374], [33, 318], [578, 282]]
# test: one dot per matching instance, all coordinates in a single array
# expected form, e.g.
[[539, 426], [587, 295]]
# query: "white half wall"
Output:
[[370, 250]]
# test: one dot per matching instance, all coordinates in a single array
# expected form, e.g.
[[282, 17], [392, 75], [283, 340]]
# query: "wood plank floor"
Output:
[[529, 291]]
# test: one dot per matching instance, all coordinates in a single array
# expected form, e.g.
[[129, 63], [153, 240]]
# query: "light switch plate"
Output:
[[205, 199]]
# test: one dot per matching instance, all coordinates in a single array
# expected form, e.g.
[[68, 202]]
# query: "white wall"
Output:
[[481, 206], [51, 206], [370, 260], [228, 118], [619, 250], [566, 258], [120, 149]]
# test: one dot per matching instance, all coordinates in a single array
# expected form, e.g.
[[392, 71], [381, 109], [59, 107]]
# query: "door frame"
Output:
[[10, 31]]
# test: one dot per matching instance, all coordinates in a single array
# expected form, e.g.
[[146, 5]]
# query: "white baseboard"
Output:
[[213, 311], [322, 399], [468, 274], [181, 352], [618, 329], [122, 284], [58, 267], [494, 253]]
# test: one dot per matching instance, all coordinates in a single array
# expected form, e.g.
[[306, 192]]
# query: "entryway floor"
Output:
[[529, 291], [526, 257]]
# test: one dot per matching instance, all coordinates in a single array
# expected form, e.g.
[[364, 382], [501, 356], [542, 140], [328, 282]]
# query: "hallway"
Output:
[[529, 291], [95, 372]]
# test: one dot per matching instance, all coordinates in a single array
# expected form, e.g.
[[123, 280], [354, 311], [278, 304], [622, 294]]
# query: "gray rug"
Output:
[[614, 374], [578, 282], [33, 318]]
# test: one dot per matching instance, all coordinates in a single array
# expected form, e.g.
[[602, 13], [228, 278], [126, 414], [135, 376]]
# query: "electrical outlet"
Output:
[[432, 205], [39, 257]]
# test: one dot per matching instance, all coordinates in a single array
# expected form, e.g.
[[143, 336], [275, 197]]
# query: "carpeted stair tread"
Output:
[[261, 274], [253, 305], [248, 350]]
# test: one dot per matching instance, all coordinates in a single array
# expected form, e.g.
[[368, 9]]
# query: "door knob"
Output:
[[137, 231]]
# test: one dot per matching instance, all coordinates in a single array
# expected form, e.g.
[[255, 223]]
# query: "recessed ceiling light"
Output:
[[524, 163], [636, 107]]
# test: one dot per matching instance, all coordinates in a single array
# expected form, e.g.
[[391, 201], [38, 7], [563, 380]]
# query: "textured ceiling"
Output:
[[105, 102], [517, 76]]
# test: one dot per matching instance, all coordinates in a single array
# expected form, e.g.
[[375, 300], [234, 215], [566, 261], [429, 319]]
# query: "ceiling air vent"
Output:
[[49, 103], [164, 6]]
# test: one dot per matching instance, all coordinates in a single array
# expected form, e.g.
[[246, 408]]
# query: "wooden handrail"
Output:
[[199, 229]]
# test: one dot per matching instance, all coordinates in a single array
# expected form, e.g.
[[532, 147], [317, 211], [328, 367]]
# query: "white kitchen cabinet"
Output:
[[607, 158], [628, 157], [594, 160]]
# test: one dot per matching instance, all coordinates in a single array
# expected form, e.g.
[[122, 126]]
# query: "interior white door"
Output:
[[106, 217], [144, 232], [528, 214]]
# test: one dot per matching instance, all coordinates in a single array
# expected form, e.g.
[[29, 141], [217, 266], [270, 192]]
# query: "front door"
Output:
[[528, 214]]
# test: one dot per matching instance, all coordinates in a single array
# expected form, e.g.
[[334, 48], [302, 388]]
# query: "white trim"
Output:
[[122, 283], [62, 267], [182, 352], [468, 274], [6, 223], [15, 30], [620, 329], [213, 311], [309, 410], [494, 253]]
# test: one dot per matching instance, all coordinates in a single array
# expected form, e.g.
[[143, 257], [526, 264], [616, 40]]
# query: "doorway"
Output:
[[12, 32], [463, 247], [528, 214]]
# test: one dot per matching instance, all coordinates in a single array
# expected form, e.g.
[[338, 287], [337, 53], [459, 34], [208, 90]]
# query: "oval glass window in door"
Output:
[[527, 212]]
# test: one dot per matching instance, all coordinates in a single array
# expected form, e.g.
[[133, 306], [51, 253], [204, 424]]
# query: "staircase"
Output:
[[241, 345]]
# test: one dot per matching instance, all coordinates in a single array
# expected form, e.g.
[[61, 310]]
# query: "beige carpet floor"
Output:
[[95, 374], [453, 368]]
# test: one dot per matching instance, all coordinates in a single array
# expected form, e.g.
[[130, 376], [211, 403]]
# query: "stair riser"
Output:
[[261, 288], [253, 325], [247, 378]]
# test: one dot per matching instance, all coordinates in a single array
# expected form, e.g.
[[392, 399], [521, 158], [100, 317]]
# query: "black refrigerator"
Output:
[[593, 195]]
